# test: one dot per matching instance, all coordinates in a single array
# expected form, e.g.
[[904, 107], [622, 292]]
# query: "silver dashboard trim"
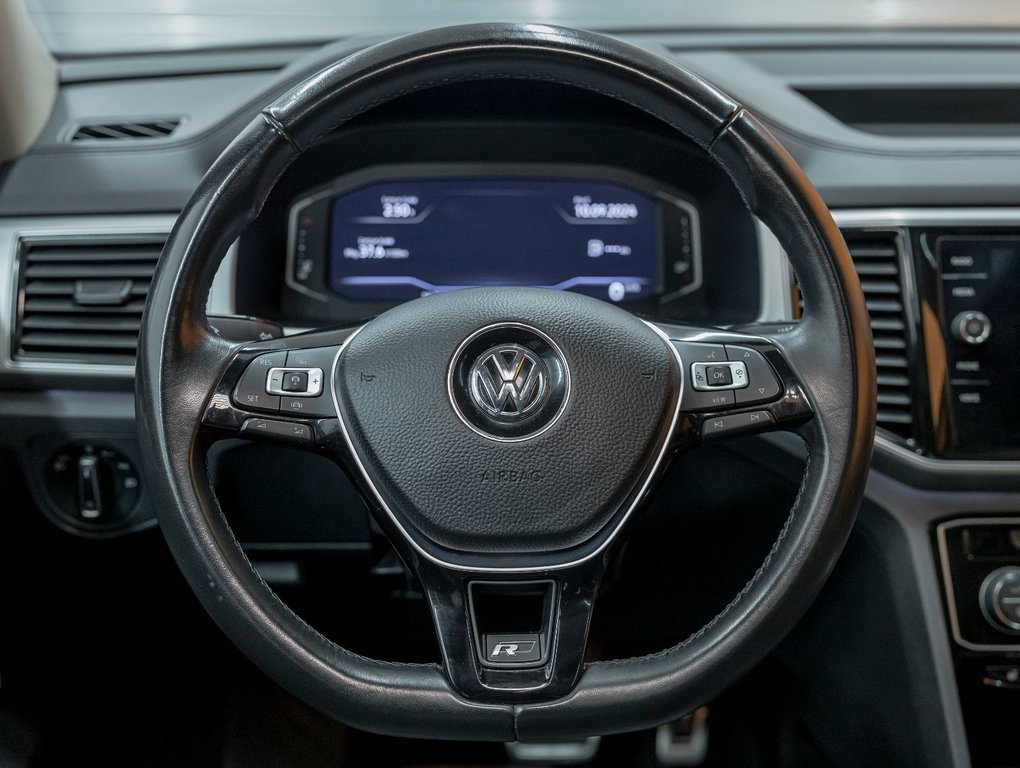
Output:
[[14, 230], [924, 217], [955, 467], [947, 580], [223, 292], [776, 278]]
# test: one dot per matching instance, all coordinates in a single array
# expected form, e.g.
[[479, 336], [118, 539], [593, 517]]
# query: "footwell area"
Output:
[[106, 657]]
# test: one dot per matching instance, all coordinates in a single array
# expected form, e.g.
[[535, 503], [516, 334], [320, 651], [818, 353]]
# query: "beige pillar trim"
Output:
[[28, 81]]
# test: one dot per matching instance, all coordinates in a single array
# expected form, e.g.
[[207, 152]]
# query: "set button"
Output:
[[251, 394]]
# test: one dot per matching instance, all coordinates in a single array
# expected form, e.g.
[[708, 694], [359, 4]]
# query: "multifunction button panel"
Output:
[[288, 382], [724, 376], [728, 388]]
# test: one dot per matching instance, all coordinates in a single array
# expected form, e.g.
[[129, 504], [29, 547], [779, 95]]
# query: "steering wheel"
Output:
[[504, 437]]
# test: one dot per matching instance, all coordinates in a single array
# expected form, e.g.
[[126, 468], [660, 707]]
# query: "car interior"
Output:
[[509, 384]]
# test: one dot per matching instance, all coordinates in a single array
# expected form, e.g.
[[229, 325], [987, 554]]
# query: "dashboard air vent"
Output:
[[126, 130], [877, 258], [81, 299]]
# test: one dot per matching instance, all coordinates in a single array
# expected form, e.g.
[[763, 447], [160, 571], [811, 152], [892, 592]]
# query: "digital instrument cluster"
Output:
[[393, 234]]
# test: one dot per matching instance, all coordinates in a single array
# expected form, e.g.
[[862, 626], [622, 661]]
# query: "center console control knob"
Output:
[[1000, 599], [972, 327]]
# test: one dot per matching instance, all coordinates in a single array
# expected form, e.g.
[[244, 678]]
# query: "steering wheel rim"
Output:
[[181, 359]]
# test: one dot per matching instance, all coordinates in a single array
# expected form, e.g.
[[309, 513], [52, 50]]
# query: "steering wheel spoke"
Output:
[[735, 383], [516, 638]]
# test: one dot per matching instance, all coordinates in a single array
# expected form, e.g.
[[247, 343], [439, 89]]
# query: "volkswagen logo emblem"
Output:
[[509, 381]]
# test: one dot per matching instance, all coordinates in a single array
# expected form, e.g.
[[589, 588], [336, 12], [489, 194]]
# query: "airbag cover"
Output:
[[464, 490]]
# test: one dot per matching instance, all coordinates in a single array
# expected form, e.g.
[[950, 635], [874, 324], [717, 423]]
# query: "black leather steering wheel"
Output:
[[504, 437]]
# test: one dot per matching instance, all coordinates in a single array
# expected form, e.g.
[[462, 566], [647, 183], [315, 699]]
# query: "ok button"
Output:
[[719, 375], [715, 376]]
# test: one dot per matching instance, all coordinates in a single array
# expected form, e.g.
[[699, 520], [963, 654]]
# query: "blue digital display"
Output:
[[397, 240]]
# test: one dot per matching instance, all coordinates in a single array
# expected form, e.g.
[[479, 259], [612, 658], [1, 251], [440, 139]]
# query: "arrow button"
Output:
[[723, 426], [763, 383]]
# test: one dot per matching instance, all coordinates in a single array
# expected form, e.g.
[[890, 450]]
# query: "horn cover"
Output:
[[427, 394]]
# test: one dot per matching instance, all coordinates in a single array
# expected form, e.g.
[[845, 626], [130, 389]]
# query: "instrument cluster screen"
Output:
[[391, 241]]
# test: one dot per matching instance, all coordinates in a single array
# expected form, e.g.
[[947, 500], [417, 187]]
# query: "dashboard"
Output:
[[547, 187], [431, 206]]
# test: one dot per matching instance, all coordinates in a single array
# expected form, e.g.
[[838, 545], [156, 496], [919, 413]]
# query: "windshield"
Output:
[[90, 27]]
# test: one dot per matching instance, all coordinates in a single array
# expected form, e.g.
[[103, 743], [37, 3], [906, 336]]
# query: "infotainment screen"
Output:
[[396, 240]]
